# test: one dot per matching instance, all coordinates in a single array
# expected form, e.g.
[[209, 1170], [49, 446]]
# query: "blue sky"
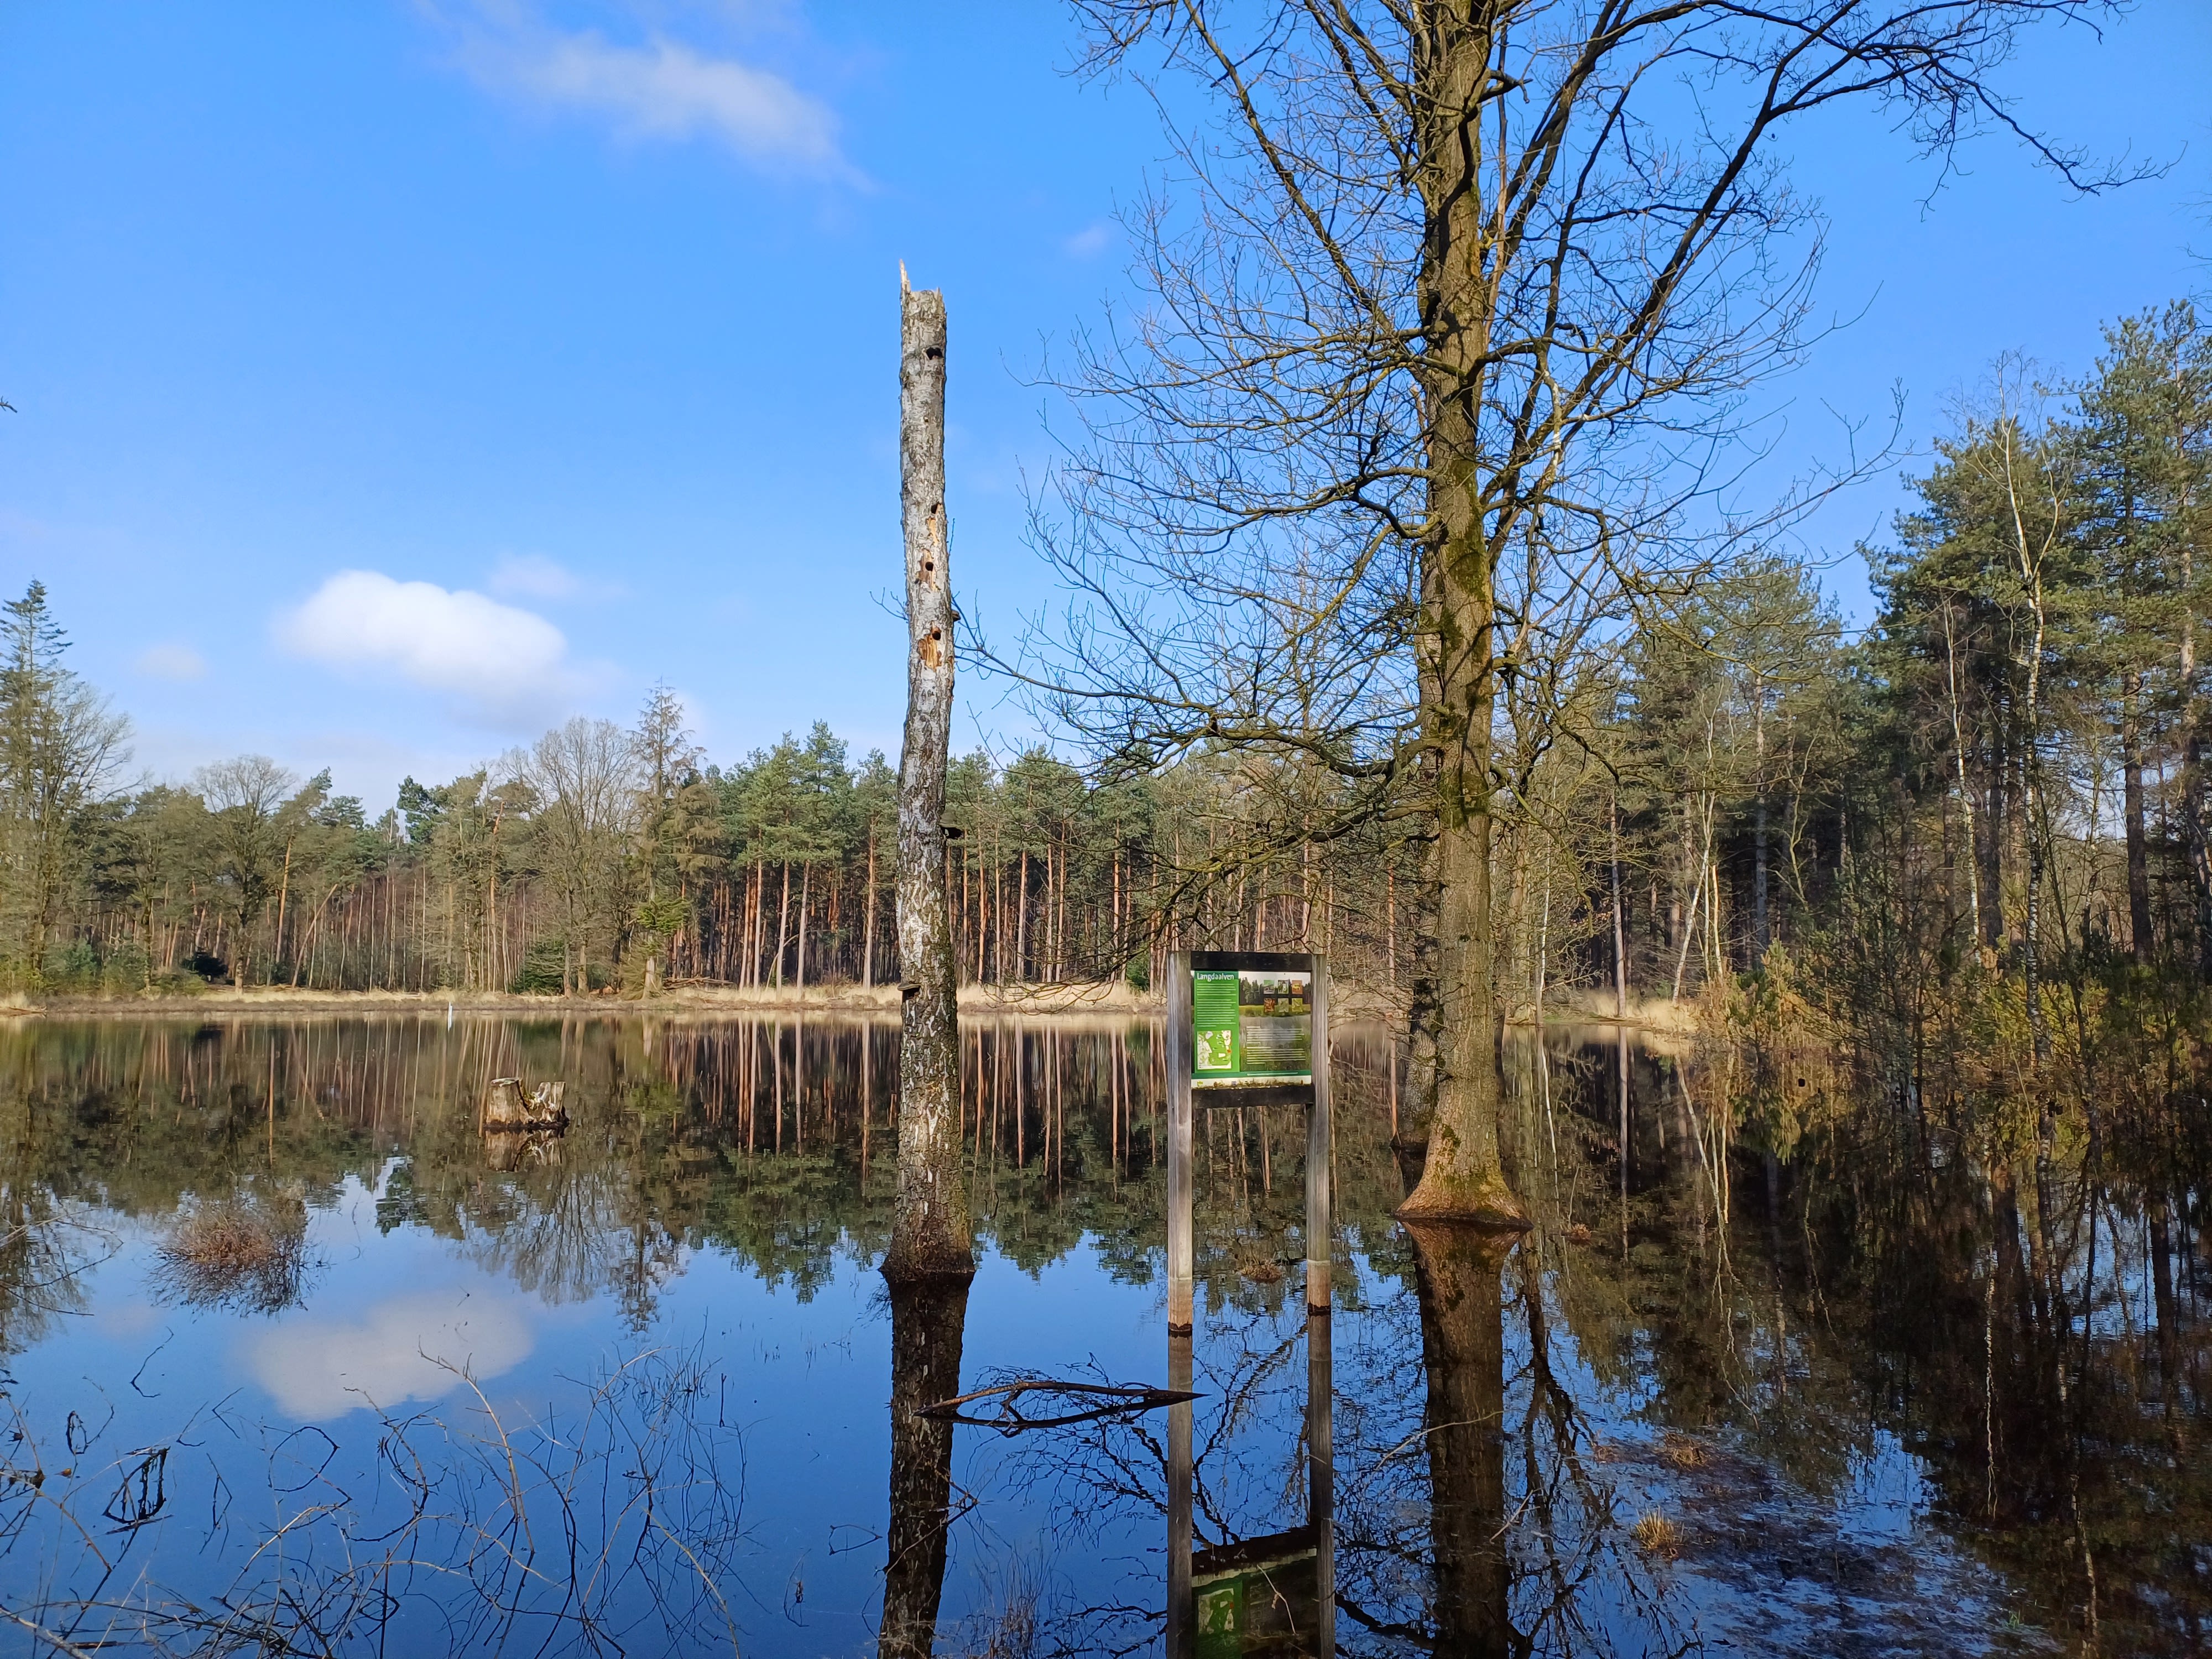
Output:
[[392, 379]]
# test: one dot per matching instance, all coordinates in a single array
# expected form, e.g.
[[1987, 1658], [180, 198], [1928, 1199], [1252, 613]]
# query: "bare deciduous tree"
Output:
[[585, 776], [244, 796], [1445, 356]]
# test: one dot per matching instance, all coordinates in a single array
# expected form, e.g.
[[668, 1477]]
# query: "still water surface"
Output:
[[298, 1361]]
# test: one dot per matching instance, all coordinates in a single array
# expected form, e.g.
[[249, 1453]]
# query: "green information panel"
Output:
[[1251, 1026]]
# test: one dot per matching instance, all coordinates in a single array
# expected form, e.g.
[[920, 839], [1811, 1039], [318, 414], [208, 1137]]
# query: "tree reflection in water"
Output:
[[1937, 1384], [929, 1319], [1457, 1275]]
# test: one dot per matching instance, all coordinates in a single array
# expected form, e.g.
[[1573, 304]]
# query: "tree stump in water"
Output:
[[506, 1107]]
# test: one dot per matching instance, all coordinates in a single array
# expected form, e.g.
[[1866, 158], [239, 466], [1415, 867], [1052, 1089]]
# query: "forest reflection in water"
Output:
[[1869, 1398]]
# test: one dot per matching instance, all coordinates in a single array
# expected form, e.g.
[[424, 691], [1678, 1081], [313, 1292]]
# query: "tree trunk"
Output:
[[2131, 790], [2030, 828], [284, 895], [753, 940], [1619, 925], [782, 926], [1760, 933], [2200, 843], [805, 885], [1463, 1177], [1996, 812], [1965, 790], [868, 930], [931, 1233]]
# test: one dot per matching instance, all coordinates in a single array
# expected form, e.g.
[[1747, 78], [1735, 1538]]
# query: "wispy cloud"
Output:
[[1089, 242], [659, 87], [179, 662], [499, 664], [534, 576]]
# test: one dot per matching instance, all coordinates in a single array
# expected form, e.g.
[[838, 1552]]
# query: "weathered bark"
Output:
[[1456, 1278], [929, 1321], [1458, 629], [931, 1233], [1422, 1020]]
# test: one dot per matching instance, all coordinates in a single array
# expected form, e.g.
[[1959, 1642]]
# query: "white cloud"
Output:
[[401, 1350], [171, 662], [1089, 242], [661, 90], [532, 576], [500, 664]]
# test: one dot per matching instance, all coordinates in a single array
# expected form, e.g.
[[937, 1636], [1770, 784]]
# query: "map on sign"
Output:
[[1251, 1026]]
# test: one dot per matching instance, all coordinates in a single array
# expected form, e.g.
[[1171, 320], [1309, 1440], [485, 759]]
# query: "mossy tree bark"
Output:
[[1458, 638]]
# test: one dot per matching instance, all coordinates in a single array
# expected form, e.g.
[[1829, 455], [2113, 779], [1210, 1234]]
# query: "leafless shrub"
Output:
[[1010, 1631], [247, 1252]]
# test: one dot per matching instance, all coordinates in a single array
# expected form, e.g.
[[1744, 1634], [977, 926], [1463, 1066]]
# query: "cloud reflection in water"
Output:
[[316, 1369]]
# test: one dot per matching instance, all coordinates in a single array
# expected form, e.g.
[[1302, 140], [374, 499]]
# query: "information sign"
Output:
[[1251, 1026]]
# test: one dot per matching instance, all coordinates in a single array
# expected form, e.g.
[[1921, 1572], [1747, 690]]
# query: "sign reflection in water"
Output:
[[1273, 1594], [1270, 1594]]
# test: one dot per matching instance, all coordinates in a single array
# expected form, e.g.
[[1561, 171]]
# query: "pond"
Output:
[[299, 1361]]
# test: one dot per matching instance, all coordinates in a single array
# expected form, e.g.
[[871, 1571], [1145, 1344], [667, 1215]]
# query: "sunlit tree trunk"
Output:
[[931, 1233], [1458, 625], [782, 925]]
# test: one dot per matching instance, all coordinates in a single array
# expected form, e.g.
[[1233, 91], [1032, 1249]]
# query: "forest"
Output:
[[1987, 803]]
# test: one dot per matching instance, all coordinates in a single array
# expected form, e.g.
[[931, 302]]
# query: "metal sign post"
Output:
[[1249, 1029]]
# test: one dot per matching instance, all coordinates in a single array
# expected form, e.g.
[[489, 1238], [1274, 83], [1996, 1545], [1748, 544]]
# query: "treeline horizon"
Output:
[[2007, 766]]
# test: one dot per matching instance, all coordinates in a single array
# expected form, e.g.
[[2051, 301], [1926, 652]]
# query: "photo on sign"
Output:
[[1251, 1024]]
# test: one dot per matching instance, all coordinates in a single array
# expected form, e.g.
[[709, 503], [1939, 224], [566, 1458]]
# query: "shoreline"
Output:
[[702, 1000], [1355, 1005]]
